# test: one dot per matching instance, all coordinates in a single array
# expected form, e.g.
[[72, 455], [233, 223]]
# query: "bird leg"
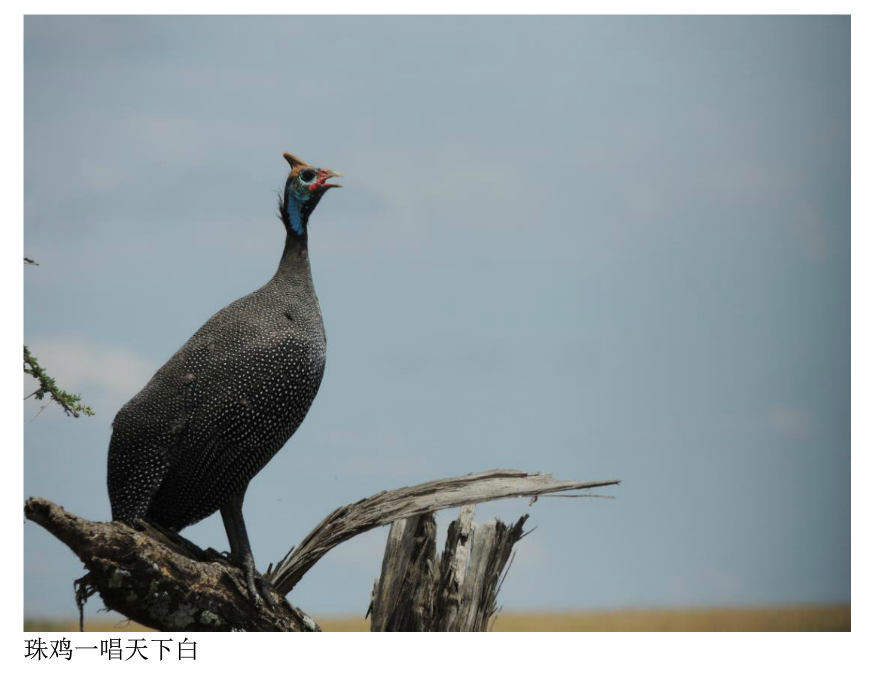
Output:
[[240, 547]]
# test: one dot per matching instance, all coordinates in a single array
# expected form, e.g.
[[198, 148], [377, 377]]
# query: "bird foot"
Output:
[[258, 587]]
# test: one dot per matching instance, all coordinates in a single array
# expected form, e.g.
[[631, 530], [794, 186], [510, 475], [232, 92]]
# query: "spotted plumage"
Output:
[[213, 416]]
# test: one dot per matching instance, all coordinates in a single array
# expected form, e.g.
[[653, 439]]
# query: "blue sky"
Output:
[[594, 246]]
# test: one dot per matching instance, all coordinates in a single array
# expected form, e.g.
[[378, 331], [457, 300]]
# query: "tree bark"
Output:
[[164, 581], [160, 579]]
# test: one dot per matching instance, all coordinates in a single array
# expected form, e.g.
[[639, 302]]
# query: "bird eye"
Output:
[[307, 175]]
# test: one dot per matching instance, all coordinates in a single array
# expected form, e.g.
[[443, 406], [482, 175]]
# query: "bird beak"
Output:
[[329, 173]]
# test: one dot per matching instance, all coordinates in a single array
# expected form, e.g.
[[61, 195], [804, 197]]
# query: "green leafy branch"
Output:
[[69, 402]]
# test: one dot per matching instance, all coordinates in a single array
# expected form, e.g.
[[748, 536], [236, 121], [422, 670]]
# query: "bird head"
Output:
[[304, 188]]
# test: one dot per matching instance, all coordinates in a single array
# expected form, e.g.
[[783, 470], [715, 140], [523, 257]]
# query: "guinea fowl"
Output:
[[189, 443]]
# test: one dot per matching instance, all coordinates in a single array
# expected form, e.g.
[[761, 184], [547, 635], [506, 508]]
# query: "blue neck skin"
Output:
[[296, 222]]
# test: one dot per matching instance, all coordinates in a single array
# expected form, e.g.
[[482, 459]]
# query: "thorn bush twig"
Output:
[[69, 402]]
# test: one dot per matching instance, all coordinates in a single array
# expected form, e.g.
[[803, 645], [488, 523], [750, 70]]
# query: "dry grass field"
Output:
[[753, 619]]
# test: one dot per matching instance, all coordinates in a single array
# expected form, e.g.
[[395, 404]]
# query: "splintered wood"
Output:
[[389, 506], [419, 591]]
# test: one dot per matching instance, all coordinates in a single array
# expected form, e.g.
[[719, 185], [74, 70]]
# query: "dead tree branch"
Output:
[[389, 506], [162, 580], [166, 582]]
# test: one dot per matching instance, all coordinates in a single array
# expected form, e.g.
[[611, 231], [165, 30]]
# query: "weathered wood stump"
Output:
[[420, 591]]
